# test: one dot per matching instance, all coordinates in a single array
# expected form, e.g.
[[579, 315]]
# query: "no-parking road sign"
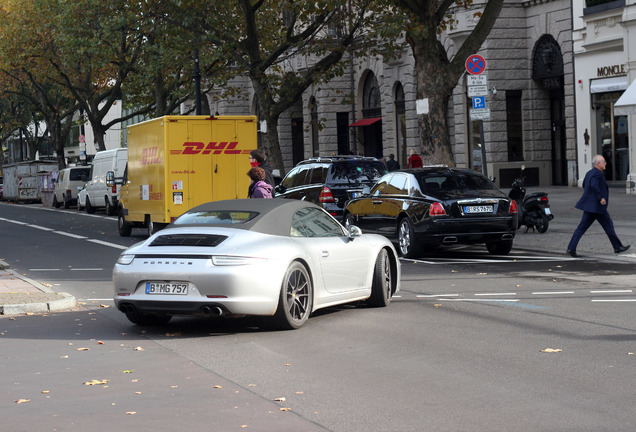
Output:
[[475, 64]]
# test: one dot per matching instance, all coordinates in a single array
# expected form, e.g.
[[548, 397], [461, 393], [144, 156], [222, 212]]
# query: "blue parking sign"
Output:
[[479, 102]]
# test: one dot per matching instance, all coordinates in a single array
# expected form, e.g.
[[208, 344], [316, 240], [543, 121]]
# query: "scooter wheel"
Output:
[[542, 225]]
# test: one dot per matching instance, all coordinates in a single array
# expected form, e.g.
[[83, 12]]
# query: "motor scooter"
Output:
[[534, 209]]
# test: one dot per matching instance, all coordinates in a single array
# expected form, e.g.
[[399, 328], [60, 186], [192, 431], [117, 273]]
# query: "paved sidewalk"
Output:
[[20, 295]]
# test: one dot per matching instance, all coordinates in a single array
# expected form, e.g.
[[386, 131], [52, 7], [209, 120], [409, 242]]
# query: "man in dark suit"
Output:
[[594, 205]]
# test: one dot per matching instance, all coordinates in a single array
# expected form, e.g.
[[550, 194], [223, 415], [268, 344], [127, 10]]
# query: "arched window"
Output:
[[371, 102]]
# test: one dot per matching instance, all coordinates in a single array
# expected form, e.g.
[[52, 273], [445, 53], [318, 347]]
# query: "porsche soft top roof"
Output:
[[274, 215]]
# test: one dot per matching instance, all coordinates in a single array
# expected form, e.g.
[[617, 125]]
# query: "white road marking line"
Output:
[[70, 235], [104, 243], [437, 295], [87, 269], [43, 269], [495, 294], [613, 300], [481, 300], [41, 227], [552, 292], [610, 291]]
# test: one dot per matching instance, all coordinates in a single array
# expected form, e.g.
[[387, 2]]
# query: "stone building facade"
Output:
[[530, 96]]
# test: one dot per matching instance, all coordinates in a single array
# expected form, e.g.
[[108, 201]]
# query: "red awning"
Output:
[[366, 121]]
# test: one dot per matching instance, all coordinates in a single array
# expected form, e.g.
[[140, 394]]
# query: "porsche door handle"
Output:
[[376, 202], [324, 254]]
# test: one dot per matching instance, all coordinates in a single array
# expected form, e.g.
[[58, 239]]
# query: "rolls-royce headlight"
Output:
[[228, 260], [125, 259]]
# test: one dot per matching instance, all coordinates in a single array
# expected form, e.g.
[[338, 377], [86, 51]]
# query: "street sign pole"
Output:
[[477, 90]]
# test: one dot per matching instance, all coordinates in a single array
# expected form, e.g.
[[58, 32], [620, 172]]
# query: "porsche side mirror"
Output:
[[354, 231]]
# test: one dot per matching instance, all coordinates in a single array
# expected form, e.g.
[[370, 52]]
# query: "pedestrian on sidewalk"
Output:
[[259, 188], [414, 161], [594, 202]]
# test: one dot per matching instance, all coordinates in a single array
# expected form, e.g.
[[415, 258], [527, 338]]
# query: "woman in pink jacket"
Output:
[[259, 188]]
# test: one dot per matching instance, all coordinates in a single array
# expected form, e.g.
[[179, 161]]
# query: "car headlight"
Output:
[[227, 260], [125, 259]]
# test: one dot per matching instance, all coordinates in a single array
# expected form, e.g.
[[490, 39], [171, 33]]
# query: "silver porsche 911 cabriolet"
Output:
[[267, 257]]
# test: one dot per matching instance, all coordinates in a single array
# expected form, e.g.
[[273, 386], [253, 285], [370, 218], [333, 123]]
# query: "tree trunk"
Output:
[[435, 145], [271, 145]]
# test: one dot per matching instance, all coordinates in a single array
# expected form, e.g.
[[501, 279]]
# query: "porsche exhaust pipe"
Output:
[[212, 310], [449, 240], [507, 237]]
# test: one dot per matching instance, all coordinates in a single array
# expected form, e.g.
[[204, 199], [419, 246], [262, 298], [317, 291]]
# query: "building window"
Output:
[[514, 125], [342, 124], [400, 125]]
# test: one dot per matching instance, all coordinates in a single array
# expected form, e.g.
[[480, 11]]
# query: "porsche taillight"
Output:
[[437, 210], [326, 196]]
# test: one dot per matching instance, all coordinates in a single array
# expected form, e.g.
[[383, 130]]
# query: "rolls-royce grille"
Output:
[[189, 240]]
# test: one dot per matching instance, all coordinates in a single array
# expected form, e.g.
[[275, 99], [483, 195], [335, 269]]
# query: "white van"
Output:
[[67, 183], [98, 194]]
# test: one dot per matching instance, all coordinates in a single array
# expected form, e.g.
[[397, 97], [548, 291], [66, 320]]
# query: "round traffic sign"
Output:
[[475, 64]]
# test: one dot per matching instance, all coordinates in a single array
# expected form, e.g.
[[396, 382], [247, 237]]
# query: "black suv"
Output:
[[331, 181]]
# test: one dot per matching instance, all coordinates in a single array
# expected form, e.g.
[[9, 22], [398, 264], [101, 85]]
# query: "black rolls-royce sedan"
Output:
[[432, 206]]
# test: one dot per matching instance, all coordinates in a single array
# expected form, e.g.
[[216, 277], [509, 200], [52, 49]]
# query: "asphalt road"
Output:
[[461, 348]]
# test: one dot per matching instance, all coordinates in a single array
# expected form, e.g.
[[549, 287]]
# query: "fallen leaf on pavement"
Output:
[[280, 399], [218, 387], [131, 412], [285, 409], [82, 349], [551, 350], [139, 349], [128, 371], [100, 343], [20, 401], [96, 382], [46, 391]]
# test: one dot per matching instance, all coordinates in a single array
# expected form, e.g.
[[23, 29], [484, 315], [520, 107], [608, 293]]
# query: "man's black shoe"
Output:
[[621, 249], [573, 253]]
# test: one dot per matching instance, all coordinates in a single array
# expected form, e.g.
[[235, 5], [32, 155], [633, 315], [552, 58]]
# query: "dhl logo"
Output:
[[224, 147]]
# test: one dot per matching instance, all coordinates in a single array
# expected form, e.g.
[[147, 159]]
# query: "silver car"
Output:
[[268, 257]]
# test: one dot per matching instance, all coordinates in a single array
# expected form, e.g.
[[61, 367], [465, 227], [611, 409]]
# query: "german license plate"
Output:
[[478, 209], [167, 288], [547, 210]]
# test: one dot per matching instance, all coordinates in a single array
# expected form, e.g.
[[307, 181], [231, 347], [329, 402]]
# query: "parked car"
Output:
[[268, 257], [81, 197], [66, 185], [432, 206], [98, 193], [331, 181]]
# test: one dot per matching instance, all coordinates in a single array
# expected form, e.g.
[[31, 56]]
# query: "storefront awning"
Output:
[[605, 85], [626, 104], [366, 121]]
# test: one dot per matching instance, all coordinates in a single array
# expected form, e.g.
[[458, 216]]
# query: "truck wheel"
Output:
[[125, 228], [56, 204], [89, 208]]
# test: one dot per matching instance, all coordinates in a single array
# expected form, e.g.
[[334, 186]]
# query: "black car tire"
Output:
[[381, 289], [542, 226], [125, 228], [406, 238], [501, 247], [110, 211], [296, 298], [349, 220], [89, 207], [56, 203], [147, 319]]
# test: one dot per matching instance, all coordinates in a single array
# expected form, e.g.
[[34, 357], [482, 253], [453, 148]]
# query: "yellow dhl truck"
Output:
[[178, 162]]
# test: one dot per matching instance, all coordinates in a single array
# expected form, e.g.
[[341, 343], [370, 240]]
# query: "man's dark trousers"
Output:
[[587, 220]]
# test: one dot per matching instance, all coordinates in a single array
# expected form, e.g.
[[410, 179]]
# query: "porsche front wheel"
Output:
[[381, 289], [296, 298]]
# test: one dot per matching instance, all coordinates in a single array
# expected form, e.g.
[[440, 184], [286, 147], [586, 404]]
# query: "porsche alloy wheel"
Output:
[[381, 290], [296, 298]]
